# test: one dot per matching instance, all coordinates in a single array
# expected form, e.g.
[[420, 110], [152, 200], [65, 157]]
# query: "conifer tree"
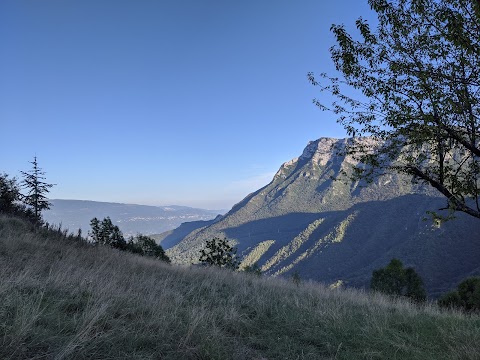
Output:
[[37, 189]]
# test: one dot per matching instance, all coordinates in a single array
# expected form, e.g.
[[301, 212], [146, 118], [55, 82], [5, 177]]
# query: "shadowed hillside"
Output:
[[173, 237], [326, 230], [65, 299]]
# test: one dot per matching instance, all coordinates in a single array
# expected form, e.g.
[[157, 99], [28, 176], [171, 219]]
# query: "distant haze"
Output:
[[131, 219]]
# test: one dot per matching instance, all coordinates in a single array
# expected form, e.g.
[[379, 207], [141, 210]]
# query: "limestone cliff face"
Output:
[[331, 230]]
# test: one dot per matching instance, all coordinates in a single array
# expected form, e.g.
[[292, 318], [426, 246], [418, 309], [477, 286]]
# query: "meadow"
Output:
[[62, 298]]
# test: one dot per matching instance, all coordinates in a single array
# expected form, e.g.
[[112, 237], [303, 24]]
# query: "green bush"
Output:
[[146, 246], [397, 281], [10, 200], [469, 292], [218, 252], [450, 300], [465, 297]]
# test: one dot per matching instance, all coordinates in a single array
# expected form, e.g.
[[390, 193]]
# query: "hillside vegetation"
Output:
[[64, 299]]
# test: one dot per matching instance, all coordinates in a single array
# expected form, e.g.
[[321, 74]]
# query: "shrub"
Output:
[[146, 246], [450, 300], [218, 252], [10, 200], [465, 297], [469, 292], [397, 281]]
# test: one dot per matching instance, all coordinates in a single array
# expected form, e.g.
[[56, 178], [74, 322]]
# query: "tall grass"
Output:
[[63, 299]]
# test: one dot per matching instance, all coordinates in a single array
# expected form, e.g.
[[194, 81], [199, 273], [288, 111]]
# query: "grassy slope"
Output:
[[63, 299]]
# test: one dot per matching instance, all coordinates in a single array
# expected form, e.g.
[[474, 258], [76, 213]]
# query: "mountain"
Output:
[[131, 219], [338, 232], [171, 238]]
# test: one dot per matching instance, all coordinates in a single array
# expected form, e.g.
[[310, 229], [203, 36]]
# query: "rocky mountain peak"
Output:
[[321, 149]]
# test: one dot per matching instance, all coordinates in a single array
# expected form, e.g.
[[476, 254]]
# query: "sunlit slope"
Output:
[[336, 230]]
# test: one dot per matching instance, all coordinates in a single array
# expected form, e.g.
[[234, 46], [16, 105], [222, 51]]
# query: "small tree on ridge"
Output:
[[37, 189], [105, 233]]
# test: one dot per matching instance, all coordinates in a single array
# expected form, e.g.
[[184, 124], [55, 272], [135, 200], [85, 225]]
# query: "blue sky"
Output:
[[162, 102]]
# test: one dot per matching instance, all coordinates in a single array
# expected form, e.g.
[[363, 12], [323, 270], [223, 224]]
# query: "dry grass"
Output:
[[62, 299]]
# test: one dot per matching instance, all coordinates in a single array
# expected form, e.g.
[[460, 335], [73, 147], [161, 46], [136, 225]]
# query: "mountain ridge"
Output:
[[304, 221]]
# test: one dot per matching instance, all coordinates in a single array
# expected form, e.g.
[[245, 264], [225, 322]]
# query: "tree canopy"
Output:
[[413, 86]]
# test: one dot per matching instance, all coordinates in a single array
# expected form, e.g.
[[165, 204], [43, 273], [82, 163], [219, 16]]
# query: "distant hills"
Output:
[[131, 219], [337, 231]]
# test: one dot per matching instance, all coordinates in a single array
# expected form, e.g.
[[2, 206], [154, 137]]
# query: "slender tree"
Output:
[[413, 86], [37, 189], [95, 232]]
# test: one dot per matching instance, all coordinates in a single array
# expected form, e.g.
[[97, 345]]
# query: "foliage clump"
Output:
[[465, 297], [105, 233], [146, 246], [395, 280], [412, 85], [218, 252], [11, 199]]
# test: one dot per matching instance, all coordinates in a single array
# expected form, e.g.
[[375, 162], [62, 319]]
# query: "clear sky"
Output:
[[160, 102]]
